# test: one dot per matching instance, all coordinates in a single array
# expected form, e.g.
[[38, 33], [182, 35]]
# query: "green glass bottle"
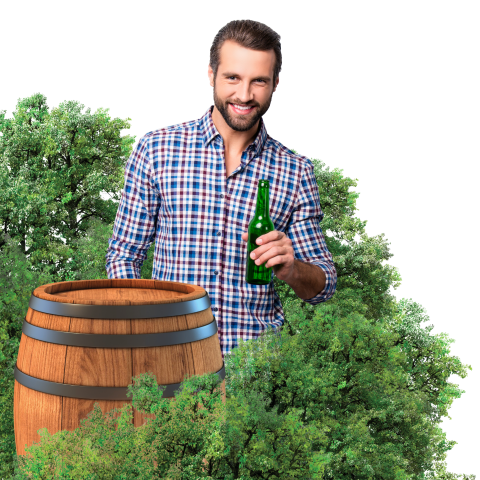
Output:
[[259, 225]]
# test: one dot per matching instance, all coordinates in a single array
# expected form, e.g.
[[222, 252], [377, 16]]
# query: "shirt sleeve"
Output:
[[135, 222], [307, 237]]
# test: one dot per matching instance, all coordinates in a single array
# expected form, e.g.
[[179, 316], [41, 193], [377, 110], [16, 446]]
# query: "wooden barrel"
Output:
[[83, 341]]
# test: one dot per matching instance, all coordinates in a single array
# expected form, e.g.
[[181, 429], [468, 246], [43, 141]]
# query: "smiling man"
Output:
[[242, 95], [192, 188]]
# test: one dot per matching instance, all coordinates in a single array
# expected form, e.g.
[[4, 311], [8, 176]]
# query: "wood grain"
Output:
[[107, 367]]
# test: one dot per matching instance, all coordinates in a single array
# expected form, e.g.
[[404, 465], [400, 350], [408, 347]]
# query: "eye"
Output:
[[258, 79]]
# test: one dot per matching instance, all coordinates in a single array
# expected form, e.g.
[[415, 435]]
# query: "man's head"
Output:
[[245, 61]]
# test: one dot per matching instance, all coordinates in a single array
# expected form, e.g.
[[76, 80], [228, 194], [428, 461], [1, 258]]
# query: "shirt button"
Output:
[[215, 309], [219, 233], [216, 272], [222, 195]]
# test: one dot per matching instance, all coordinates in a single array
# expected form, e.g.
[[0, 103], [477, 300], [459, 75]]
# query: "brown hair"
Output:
[[248, 34]]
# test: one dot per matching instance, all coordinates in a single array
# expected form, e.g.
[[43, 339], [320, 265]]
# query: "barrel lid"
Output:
[[121, 291], [118, 299]]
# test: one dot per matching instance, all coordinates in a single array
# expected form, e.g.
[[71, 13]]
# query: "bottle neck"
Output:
[[263, 208]]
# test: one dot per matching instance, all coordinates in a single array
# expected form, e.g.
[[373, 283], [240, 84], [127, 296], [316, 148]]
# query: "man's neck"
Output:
[[234, 150]]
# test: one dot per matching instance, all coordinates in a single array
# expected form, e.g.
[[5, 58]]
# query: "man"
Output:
[[193, 186]]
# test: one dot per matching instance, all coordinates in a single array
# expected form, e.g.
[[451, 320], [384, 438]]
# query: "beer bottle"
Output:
[[259, 225]]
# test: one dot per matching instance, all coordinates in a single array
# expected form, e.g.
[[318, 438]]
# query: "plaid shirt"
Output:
[[176, 193]]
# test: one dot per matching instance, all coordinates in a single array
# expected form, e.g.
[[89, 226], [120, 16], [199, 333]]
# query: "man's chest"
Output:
[[189, 192]]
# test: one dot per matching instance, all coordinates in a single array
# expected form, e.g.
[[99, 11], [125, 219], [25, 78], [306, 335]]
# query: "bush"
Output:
[[354, 388]]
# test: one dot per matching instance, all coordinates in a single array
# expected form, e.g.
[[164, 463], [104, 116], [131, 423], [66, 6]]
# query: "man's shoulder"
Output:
[[182, 127], [277, 149]]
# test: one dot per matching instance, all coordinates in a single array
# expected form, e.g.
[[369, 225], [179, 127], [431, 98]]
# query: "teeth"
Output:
[[242, 108]]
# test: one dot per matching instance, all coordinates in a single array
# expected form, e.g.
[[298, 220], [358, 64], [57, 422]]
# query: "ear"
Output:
[[210, 75], [276, 83]]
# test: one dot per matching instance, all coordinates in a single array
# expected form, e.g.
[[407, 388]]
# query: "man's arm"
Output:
[[135, 222], [307, 280]]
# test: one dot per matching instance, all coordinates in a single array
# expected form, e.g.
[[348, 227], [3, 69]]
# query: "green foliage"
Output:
[[53, 167], [354, 387], [109, 447]]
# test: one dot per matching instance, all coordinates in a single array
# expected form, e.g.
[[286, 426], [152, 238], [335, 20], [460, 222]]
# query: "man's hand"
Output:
[[275, 250]]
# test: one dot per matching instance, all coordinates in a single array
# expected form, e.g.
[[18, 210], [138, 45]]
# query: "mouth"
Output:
[[241, 111]]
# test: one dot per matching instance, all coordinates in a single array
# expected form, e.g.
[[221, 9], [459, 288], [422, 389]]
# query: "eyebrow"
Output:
[[231, 74]]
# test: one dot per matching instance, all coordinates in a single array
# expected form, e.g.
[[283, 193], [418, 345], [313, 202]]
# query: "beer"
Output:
[[258, 226]]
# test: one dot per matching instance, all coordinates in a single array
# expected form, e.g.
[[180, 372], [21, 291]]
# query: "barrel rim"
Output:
[[191, 291]]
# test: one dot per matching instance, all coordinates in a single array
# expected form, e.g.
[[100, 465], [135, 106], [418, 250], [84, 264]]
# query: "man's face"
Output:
[[244, 78]]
